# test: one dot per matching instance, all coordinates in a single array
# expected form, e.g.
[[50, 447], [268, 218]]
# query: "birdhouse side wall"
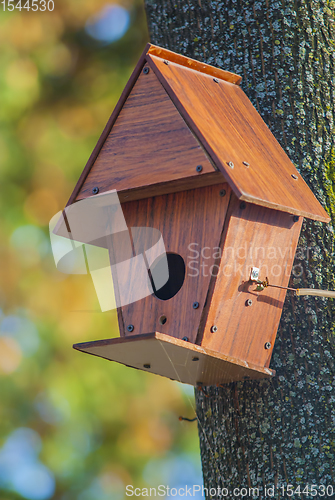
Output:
[[240, 321]]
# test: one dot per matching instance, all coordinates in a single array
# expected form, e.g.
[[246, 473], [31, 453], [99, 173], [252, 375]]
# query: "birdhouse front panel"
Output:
[[186, 220], [246, 320], [149, 145]]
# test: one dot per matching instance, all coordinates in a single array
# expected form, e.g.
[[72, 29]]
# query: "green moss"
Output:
[[329, 167]]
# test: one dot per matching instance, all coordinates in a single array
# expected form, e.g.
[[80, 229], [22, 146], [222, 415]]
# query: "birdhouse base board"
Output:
[[174, 358]]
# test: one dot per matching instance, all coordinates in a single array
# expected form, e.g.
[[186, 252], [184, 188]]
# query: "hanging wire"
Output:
[[298, 291]]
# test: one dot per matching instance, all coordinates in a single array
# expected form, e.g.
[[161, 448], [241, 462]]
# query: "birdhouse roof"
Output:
[[180, 114]]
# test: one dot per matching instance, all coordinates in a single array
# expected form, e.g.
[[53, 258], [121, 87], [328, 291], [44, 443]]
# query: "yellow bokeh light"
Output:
[[149, 436], [10, 355], [41, 205], [21, 75], [28, 32], [57, 60], [76, 121]]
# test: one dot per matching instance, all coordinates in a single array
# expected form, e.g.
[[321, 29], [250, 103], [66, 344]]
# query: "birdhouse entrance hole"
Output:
[[177, 268]]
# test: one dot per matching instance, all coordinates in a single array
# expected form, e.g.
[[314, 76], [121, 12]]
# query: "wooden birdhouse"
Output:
[[190, 156]]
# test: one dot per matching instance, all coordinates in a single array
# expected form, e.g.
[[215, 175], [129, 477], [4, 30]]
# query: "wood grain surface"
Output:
[[231, 131], [176, 186], [168, 55], [173, 358], [149, 144], [254, 237], [190, 217], [125, 93]]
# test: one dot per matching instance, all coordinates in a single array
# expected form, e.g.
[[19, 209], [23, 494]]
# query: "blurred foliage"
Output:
[[85, 425]]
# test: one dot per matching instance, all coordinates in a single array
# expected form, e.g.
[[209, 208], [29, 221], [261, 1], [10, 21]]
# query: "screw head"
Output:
[[195, 305], [185, 339], [295, 218], [216, 80], [147, 365], [214, 329], [295, 177], [230, 164], [245, 163], [195, 359], [223, 193], [146, 70], [248, 302], [130, 328], [199, 168], [95, 190], [267, 345], [242, 205]]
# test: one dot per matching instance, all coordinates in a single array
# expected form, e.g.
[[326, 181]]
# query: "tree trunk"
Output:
[[257, 434]]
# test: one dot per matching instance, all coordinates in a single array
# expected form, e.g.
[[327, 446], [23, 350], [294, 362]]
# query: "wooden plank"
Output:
[[149, 144], [190, 217], [172, 187], [173, 358], [168, 55], [254, 237], [230, 129]]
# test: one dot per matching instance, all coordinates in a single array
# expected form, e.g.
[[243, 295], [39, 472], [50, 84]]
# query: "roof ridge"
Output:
[[193, 64]]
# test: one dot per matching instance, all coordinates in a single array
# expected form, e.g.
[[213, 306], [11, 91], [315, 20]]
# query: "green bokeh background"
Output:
[[102, 426]]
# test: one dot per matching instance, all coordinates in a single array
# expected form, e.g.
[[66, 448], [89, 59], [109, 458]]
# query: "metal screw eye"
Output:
[[245, 163], [267, 345], [295, 177], [95, 190], [195, 359], [195, 305], [295, 218], [223, 192], [166, 62], [248, 302], [199, 168], [130, 328], [216, 80], [230, 164], [185, 339], [146, 70], [147, 365], [242, 205], [214, 329]]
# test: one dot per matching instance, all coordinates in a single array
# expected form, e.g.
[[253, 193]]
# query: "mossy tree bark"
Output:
[[254, 434]]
